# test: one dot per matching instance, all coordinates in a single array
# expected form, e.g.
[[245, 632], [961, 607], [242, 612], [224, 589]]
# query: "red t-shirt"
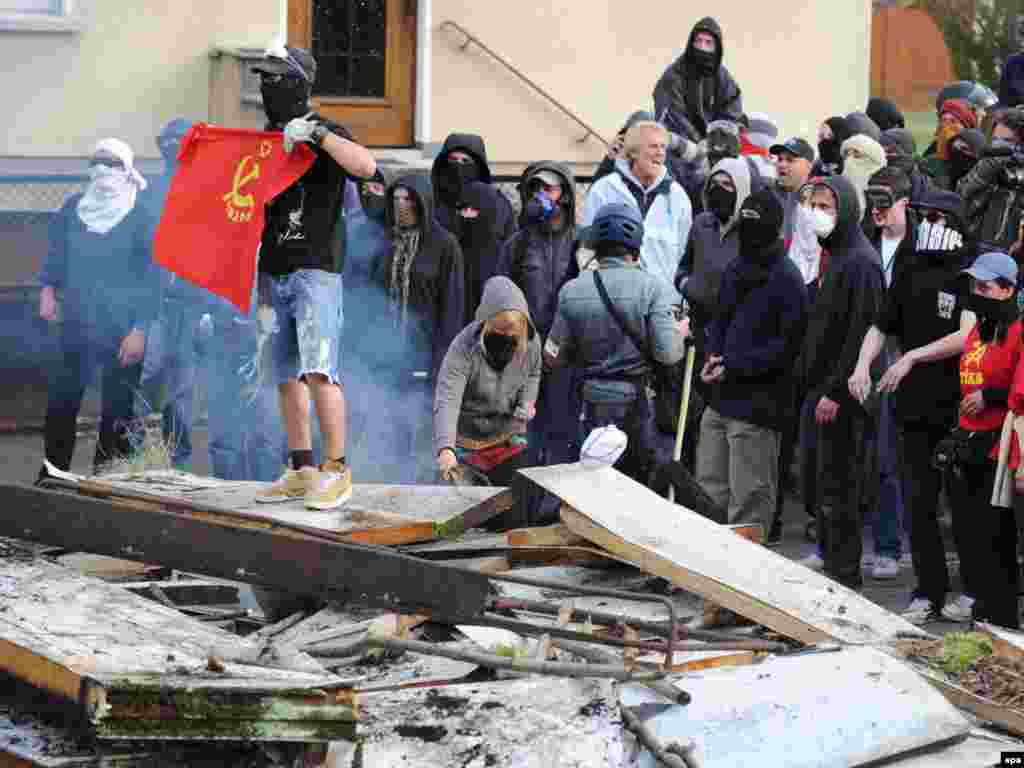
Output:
[[985, 366]]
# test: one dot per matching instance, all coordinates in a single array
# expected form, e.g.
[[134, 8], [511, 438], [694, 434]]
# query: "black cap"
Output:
[[796, 147], [285, 60]]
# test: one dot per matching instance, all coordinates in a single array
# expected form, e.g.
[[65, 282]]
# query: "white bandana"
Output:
[[111, 193]]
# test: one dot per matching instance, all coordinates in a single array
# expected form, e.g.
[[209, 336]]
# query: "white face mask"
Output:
[[824, 223]]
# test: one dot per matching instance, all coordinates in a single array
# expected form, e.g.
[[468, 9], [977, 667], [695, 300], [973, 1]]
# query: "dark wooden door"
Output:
[[366, 64]]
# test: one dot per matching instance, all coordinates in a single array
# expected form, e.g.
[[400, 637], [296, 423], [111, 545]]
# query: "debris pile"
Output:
[[397, 631]]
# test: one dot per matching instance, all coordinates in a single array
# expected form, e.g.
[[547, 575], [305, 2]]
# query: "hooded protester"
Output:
[[478, 228], [992, 188], [955, 117], [859, 123], [862, 158], [831, 135], [847, 302], [754, 340], [487, 391], [964, 152], [100, 257], [924, 312], [713, 244], [417, 293], [697, 88], [642, 181], [462, 161], [539, 259], [901, 152], [170, 362], [885, 114]]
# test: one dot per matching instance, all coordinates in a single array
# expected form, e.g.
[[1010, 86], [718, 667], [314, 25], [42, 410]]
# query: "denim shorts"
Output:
[[306, 341]]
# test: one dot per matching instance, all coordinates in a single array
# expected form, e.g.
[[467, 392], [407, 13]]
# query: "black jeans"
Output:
[[637, 421], [921, 485], [840, 515], [64, 400], [986, 539]]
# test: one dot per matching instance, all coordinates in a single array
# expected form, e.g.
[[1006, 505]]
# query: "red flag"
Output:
[[212, 222]]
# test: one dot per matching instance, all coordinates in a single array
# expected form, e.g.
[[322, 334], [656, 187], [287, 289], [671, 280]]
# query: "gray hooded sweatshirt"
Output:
[[473, 399], [712, 244]]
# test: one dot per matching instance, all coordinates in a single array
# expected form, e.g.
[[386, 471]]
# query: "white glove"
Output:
[[206, 326], [603, 447], [298, 130]]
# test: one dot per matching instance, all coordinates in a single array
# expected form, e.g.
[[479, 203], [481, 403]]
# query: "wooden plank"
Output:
[[384, 515], [108, 568], [705, 558], [543, 536], [696, 661], [335, 571]]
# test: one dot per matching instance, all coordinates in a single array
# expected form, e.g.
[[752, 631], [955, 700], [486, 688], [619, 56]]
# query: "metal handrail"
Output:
[[471, 38]]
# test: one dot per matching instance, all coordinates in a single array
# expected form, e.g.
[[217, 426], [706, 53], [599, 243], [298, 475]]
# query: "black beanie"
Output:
[[841, 130], [760, 219]]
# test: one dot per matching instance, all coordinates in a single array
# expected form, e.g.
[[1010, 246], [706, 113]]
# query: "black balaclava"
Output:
[[885, 114], [500, 349], [286, 99], [722, 144], [961, 161], [374, 206], [830, 151], [478, 238], [720, 201], [455, 177], [760, 221]]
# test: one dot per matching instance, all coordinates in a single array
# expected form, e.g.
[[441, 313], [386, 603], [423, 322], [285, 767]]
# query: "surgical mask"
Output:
[[405, 214], [721, 202], [500, 349], [824, 223], [285, 99], [938, 237]]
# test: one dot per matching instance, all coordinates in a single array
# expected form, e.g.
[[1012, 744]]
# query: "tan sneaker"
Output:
[[333, 489], [293, 485]]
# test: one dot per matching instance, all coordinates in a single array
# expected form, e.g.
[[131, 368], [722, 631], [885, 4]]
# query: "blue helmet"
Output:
[[617, 223]]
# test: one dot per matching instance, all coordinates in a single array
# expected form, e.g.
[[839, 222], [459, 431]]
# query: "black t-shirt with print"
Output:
[[922, 305], [305, 225]]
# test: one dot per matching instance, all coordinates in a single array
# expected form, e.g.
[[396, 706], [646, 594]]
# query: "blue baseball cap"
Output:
[[993, 265]]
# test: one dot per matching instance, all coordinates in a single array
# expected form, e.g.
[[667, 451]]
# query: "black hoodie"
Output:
[[447, 194], [537, 259], [436, 292], [847, 304], [480, 238], [686, 100]]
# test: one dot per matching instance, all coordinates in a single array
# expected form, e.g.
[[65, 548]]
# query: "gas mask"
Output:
[[285, 97]]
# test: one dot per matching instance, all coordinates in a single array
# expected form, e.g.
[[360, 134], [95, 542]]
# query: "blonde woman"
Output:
[[487, 388]]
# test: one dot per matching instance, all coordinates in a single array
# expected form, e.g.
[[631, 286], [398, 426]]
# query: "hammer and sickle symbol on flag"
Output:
[[237, 202]]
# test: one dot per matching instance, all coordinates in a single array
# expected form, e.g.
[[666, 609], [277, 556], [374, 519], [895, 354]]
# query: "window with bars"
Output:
[[349, 43]]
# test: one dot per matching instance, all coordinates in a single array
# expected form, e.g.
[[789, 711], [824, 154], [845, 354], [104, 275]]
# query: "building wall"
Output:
[[132, 67], [801, 61]]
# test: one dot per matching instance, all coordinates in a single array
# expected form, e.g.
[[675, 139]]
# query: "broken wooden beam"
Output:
[[544, 536], [136, 669], [705, 558], [331, 570]]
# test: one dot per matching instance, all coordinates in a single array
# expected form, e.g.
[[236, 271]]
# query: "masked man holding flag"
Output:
[[301, 259]]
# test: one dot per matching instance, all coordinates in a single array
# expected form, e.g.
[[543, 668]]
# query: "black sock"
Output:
[[302, 459]]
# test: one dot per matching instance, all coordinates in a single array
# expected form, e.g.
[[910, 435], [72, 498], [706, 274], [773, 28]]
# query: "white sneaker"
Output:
[[813, 561], [959, 610], [920, 611], [885, 568]]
